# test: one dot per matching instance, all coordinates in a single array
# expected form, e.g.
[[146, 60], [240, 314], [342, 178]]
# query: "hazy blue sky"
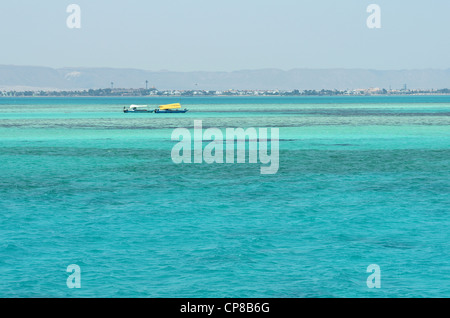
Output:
[[212, 35]]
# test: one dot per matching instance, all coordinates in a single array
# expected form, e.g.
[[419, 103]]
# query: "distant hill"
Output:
[[32, 77]]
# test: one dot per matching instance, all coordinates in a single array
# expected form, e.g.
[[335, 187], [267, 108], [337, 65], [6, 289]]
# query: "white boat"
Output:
[[138, 109]]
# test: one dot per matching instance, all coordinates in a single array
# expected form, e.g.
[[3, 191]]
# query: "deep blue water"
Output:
[[362, 180]]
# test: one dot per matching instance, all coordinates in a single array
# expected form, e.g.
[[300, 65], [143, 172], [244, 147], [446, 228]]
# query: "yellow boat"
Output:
[[170, 108]]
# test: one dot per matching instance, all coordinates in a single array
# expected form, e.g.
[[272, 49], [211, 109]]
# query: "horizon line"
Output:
[[233, 71]]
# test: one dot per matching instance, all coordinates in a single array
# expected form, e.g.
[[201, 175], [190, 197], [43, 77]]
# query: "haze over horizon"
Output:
[[38, 78], [227, 71]]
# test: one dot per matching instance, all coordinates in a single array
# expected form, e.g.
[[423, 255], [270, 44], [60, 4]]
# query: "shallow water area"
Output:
[[362, 180]]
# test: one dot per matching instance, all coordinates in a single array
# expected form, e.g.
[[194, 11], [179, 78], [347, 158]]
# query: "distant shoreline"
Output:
[[227, 96], [228, 93]]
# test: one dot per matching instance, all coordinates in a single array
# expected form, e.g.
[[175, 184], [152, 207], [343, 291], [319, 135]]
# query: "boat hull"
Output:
[[170, 111], [138, 111]]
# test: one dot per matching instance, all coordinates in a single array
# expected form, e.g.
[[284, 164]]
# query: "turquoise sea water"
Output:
[[362, 180]]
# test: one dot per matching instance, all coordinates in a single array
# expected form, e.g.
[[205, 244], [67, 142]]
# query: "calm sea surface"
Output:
[[362, 180]]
